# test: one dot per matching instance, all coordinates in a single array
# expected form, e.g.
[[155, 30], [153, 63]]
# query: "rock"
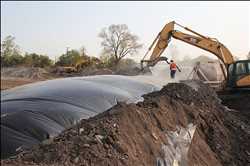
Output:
[[81, 130], [76, 160], [154, 136], [242, 127], [114, 124], [86, 145], [99, 138], [19, 148]]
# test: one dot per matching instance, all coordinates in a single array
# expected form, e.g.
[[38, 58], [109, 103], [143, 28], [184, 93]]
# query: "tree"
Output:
[[248, 56], [107, 61], [11, 56], [16, 59], [45, 61], [68, 59], [118, 41], [10, 52], [35, 60]]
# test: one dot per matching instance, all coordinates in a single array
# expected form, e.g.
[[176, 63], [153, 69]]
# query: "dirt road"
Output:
[[17, 76], [7, 83]]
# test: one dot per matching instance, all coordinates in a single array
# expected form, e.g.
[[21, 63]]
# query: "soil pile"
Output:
[[16, 76], [32, 113], [138, 134], [24, 72]]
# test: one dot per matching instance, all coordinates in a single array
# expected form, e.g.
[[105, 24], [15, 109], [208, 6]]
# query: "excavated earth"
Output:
[[133, 134]]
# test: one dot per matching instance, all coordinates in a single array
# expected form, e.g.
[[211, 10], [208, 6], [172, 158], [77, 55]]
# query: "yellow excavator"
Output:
[[236, 73]]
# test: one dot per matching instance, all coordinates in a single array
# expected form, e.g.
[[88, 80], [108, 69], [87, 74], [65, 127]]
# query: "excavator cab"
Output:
[[239, 74]]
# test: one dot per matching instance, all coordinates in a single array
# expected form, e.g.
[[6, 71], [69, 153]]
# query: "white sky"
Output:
[[49, 27]]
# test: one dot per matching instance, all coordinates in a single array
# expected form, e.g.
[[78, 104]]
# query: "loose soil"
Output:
[[133, 134], [7, 83], [17, 76]]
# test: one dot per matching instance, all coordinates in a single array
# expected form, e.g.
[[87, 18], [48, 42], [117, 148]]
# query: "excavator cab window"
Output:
[[237, 71], [248, 64], [230, 69], [241, 68]]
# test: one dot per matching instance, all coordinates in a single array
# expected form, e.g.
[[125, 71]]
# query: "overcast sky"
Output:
[[49, 27]]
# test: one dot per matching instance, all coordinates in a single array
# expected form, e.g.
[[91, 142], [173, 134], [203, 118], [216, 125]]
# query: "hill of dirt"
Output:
[[24, 72], [152, 132], [16, 76]]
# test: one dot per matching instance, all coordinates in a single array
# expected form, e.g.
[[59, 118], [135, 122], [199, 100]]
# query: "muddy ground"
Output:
[[135, 134]]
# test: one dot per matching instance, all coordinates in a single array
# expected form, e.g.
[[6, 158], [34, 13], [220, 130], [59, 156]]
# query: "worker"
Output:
[[173, 68]]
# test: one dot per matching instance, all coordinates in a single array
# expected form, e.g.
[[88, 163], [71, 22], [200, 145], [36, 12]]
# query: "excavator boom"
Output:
[[211, 45]]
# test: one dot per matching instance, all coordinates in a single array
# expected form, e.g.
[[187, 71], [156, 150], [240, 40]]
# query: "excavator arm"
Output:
[[209, 44]]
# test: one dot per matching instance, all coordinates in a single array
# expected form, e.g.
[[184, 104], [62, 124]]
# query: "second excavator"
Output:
[[236, 73]]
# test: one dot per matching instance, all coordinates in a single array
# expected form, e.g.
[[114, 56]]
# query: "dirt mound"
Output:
[[24, 72], [147, 133], [95, 71]]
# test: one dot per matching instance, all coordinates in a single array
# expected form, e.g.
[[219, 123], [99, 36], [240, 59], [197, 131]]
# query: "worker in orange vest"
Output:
[[173, 68]]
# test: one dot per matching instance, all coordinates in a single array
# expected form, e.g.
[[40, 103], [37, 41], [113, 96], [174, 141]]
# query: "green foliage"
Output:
[[10, 53], [69, 59], [45, 61], [11, 56], [35, 60], [126, 64], [107, 61], [77, 59], [12, 60]]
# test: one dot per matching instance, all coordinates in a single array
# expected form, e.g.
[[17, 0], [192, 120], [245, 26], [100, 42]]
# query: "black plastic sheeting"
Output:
[[35, 112]]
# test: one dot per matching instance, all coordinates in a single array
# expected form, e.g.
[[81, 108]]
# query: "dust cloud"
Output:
[[160, 75]]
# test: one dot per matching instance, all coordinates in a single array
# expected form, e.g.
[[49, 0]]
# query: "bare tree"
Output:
[[248, 56], [118, 41]]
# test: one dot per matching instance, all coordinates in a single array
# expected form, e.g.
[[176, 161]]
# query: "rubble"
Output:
[[142, 133]]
